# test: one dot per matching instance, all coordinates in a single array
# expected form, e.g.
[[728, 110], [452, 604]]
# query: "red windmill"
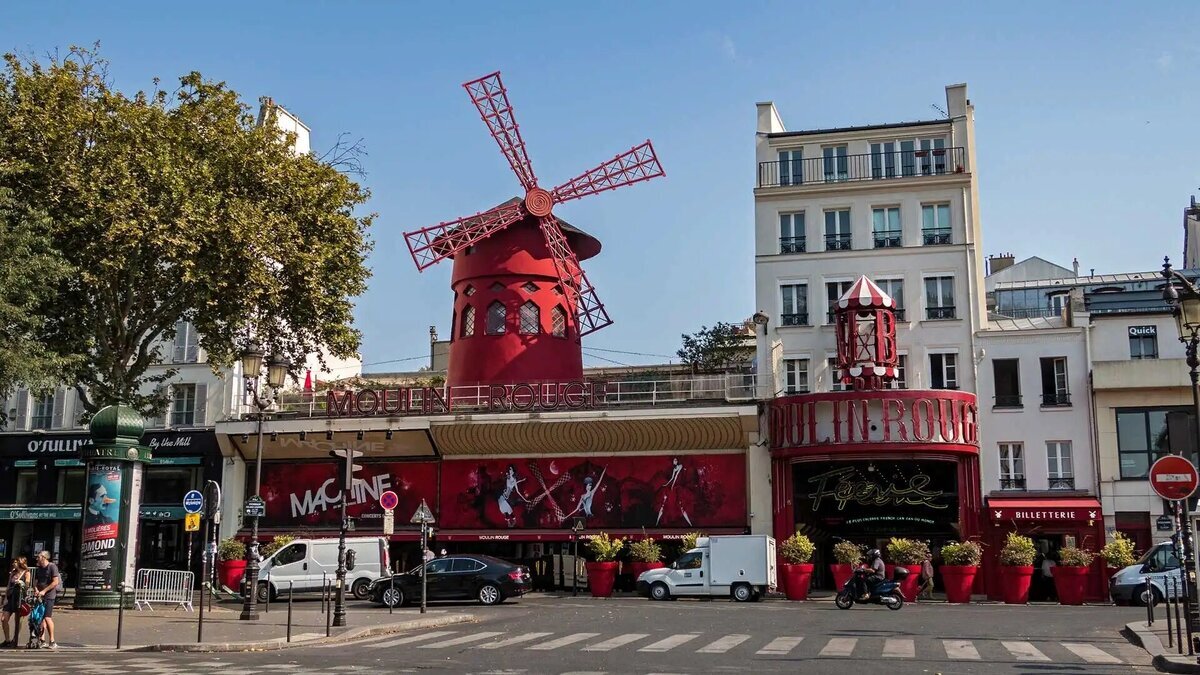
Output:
[[522, 300]]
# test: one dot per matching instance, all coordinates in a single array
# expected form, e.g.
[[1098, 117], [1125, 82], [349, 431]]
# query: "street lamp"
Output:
[[1184, 299], [277, 370], [349, 454]]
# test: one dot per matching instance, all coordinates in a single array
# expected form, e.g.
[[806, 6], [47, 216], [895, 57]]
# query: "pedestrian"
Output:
[[428, 555], [926, 578], [14, 593], [443, 554], [47, 581]]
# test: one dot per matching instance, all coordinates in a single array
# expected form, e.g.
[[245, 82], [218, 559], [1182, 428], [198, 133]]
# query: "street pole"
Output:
[[1190, 606], [339, 608], [250, 604], [424, 563], [575, 564]]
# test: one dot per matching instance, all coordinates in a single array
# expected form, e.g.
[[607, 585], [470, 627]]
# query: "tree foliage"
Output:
[[723, 347], [175, 206]]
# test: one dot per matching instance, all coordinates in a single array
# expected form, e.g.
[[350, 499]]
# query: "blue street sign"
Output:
[[193, 501]]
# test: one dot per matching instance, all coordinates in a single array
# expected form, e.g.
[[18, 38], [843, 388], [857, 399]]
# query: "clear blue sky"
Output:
[[1085, 122]]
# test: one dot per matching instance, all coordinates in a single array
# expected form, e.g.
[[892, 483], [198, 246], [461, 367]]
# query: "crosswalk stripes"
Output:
[[667, 644], [780, 646], [899, 649], [419, 637], [960, 649], [619, 641], [563, 641], [839, 647], [722, 645], [1090, 653], [454, 642], [516, 640], [1025, 651]]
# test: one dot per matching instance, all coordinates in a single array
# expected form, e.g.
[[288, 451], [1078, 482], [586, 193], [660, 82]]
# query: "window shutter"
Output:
[[160, 420], [180, 352], [192, 344], [60, 402], [201, 417], [22, 417]]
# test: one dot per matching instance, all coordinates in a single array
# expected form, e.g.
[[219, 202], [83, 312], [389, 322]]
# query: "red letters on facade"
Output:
[[875, 417], [525, 396]]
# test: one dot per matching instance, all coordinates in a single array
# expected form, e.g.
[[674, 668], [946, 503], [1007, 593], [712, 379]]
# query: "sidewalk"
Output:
[[170, 629], [1154, 640]]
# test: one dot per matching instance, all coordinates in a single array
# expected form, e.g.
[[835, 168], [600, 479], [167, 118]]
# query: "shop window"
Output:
[[1054, 382], [497, 317], [1012, 466], [531, 319], [1143, 342], [27, 482], [943, 371], [1141, 439], [558, 321], [1060, 468], [467, 327], [795, 376], [167, 484], [1007, 377], [71, 484]]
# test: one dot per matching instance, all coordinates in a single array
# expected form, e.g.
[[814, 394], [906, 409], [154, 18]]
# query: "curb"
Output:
[[1140, 635], [280, 643]]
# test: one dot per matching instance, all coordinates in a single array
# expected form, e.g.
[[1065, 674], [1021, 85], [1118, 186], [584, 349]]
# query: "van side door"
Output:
[[687, 575], [291, 565]]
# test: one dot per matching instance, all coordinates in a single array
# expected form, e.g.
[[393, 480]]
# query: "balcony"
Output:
[[1029, 312], [939, 313], [899, 313], [860, 168], [794, 319], [1060, 399], [1062, 482], [887, 240], [1013, 483], [837, 242], [791, 245], [1008, 401], [935, 236]]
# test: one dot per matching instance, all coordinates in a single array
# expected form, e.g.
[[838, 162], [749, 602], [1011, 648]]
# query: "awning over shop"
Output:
[[1050, 509]]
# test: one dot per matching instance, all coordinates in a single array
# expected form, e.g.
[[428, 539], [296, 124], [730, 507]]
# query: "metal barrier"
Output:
[[171, 587]]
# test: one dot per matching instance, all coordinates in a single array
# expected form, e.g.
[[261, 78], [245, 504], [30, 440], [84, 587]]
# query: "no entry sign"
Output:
[[1173, 477], [388, 500]]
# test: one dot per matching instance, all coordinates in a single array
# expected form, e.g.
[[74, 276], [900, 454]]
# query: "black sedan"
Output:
[[455, 577]]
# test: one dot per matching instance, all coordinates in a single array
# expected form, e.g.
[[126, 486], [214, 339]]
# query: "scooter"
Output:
[[886, 592]]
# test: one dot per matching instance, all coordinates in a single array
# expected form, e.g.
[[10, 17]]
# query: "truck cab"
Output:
[[741, 567], [1160, 566]]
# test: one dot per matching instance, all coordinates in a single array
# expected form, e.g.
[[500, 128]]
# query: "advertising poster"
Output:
[[877, 497], [101, 526], [668, 491], [309, 494]]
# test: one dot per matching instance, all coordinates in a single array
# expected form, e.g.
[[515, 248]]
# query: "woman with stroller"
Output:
[[14, 593]]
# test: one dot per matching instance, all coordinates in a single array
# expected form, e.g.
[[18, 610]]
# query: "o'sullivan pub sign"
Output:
[[402, 401]]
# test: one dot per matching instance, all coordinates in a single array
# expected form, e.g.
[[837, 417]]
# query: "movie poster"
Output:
[[666, 491], [101, 527], [309, 494]]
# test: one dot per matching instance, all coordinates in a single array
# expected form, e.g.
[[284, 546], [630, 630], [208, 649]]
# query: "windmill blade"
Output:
[[590, 315], [638, 164], [432, 244], [491, 98]]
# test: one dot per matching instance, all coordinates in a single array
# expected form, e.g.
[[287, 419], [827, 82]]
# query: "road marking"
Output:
[[960, 649], [563, 641], [411, 638], [839, 647], [1090, 653], [899, 649], [667, 644], [619, 641], [1025, 651], [723, 645], [781, 646], [527, 637], [586, 672], [454, 642]]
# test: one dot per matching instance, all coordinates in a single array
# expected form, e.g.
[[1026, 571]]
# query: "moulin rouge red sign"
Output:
[[308, 494], [491, 398], [875, 417]]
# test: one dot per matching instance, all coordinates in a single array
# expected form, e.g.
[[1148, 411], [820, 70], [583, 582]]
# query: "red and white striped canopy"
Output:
[[864, 293]]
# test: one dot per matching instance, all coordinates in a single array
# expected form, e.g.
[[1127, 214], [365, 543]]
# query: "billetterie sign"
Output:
[[525, 396]]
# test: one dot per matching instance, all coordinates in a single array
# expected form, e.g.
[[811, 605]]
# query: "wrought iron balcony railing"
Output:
[[837, 242], [867, 167], [934, 313], [800, 319], [1013, 483], [1008, 401], [1060, 399], [1062, 482], [899, 312], [791, 244], [887, 240], [1028, 312], [935, 236]]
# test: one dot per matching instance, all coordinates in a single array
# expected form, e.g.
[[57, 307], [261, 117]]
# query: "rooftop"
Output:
[[867, 127]]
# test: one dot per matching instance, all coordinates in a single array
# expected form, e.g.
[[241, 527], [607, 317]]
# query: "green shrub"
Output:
[[645, 550], [689, 540], [907, 551], [1018, 551], [1118, 552], [231, 549], [963, 554], [604, 548], [1075, 557], [797, 549], [277, 543], [847, 553]]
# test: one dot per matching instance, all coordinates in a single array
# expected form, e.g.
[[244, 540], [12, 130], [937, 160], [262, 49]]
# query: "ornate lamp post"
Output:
[[1184, 299], [277, 370]]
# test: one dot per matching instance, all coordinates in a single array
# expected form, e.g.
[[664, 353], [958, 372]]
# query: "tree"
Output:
[[723, 347], [175, 206]]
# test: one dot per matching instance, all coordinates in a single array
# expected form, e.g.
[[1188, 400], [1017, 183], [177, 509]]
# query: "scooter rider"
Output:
[[878, 574]]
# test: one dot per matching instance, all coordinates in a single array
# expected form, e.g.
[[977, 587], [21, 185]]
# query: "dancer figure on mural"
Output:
[[671, 496], [511, 485], [589, 493]]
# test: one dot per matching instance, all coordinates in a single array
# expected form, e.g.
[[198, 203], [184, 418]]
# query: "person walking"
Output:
[[14, 593], [47, 581], [926, 578]]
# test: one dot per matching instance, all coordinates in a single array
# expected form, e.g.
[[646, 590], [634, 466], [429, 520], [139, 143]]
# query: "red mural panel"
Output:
[[306, 495], [614, 492]]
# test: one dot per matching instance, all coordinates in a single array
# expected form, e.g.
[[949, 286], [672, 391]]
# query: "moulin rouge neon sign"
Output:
[[868, 493], [927, 417], [401, 401]]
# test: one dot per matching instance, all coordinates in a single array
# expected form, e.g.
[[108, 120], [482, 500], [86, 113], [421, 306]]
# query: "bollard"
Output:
[[324, 586], [1167, 609], [1178, 623], [1148, 596], [200, 623], [328, 616], [291, 586], [267, 602], [393, 583], [120, 613]]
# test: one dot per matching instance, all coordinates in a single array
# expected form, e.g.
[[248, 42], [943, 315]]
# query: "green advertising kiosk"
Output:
[[108, 548]]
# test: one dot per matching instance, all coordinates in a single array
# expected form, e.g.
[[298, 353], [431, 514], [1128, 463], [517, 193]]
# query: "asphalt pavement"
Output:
[[632, 635]]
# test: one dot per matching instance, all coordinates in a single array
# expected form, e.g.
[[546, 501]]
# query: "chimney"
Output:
[[769, 121], [999, 262], [1075, 265]]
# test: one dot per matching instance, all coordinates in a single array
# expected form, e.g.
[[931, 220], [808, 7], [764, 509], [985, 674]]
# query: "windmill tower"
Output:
[[521, 299]]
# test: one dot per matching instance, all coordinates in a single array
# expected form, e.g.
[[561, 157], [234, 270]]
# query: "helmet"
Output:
[[873, 554]]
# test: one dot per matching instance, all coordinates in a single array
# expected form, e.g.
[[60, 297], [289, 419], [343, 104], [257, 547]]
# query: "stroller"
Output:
[[37, 614]]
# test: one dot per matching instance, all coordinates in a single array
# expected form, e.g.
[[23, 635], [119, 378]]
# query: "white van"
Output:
[[1160, 565], [738, 566], [303, 564]]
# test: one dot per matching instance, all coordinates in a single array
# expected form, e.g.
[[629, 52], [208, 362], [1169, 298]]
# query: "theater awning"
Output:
[[1049, 509]]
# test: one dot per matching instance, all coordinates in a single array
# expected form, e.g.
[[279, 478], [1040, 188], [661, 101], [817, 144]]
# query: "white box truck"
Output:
[[739, 566]]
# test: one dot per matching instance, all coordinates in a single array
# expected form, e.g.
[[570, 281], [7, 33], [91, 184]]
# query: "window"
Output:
[[1012, 466], [939, 298], [791, 168], [465, 565], [1143, 342], [932, 156], [1006, 374], [558, 321], [468, 322], [1054, 382], [935, 224], [834, 162], [438, 566], [791, 233], [497, 317], [187, 343], [43, 412], [834, 290], [71, 484], [943, 371], [795, 305], [292, 553], [164, 484], [886, 156], [885, 225], [1059, 468], [693, 560], [1164, 559], [27, 480], [835, 382], [1141, 439], [894, 288], [183, 405], [901, 381], [531, 319], [529, 287], [837, 230], [795, 376]]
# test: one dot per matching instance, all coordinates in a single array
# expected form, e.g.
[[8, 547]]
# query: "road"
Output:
[[566, 635]]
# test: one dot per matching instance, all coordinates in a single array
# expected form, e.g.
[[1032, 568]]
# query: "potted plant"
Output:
[[797, 553], [960, 565], [1071, 574], [231, 562], [689, 541], [1016, 568], [602, 574], [646, 554], [847, 556], [1118, 553], [909, 554]]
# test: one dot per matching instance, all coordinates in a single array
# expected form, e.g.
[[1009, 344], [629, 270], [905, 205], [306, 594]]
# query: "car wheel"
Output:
[[659, 591], [489, 594], [392, 597], [264, 592], [843, 600], [361, 588], [743, 593]]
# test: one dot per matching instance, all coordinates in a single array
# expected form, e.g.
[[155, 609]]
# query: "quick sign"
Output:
[[1143, 331]]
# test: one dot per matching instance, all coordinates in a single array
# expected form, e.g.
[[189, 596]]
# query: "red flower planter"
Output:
[[841, 574], [230, 573], [958, 579], [908, 587], [1014, 582], [1071, 583], [636, 568], [796, 579], [601, 578]]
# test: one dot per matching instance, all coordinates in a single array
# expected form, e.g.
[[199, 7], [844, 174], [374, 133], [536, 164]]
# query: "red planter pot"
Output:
[[601, 578], [841, 574], [908, 587], [958, 580], [1071, 584], [1014, 583], [230, 572], [636, 568], [796, 579]]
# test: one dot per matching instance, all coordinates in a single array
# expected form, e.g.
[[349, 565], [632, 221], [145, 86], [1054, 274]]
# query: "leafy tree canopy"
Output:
[[723, 347], [174, 206]]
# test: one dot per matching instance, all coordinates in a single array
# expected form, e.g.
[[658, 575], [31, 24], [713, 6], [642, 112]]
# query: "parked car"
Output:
[[1160, 565], [304, 563], [456, 577]]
